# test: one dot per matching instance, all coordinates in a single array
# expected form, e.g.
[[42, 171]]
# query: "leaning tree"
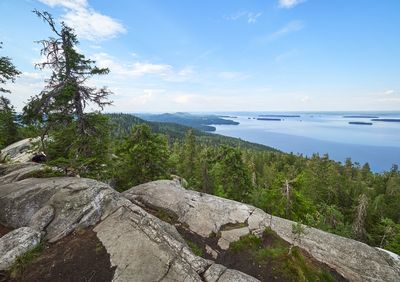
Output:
[[60, 107]]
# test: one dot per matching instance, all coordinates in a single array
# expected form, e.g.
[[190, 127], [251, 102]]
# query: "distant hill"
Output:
[[201, 122], [122, 124]]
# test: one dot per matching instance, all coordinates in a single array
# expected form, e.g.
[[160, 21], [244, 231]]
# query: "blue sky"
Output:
[[274, 55]]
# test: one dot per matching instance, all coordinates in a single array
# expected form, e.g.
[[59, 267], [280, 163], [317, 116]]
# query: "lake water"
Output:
[[378, 144]]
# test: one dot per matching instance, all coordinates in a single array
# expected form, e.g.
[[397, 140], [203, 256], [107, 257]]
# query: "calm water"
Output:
[[378, 144]]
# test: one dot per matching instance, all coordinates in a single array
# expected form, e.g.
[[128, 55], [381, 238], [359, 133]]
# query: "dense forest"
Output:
[[122, 150]]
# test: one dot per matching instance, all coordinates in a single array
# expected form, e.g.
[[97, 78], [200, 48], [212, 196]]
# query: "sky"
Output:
[[226, 55]]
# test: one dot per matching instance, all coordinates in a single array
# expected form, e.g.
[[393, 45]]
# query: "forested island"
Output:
[[269, 119], [201, 122], [386, 119], [360, 123]]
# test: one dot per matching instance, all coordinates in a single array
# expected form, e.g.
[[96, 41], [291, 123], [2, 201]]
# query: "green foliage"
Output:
[[294, 267], [323, 193], [45, 173], [8, 125], [196, 249], [200, 122], [24, 260], [141, 157], [87, 155], [8, 72]]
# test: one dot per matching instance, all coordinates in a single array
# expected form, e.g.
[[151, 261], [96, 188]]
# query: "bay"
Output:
[[375, 142]]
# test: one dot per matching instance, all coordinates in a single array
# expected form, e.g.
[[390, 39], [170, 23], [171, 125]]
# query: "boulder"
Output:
[[74, 202], [206, 214], [15, 244], [16, 172], [19, 152]]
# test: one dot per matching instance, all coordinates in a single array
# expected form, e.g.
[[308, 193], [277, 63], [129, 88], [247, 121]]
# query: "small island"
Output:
[[360, 116], [280, 116], [269, 119], [386, 119], [360, 123]]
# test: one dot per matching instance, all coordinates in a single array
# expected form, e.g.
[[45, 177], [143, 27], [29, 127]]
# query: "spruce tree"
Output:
[[61, 104], [8, 125]]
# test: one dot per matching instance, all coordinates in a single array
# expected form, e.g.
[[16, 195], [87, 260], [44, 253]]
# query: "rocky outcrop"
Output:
[[19, 152], [16, 243], [208, 215], [16, 172], [58, 205], [141, 246], [147, 249]]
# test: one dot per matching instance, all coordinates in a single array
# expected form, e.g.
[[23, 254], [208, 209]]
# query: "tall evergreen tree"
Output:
[[61, 104], [142, 157], [8, 72], [8, 125]]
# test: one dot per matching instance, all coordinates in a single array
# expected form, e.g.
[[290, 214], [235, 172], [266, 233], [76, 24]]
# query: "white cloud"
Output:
[[135, 69], [251, 17], [138, 69], [88, 23], [288, 28], [288, 4], [305, 99], [390, 92], [69, 4]]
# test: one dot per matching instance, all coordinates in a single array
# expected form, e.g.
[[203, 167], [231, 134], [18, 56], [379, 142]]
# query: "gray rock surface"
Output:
[[16, 243], [75, 202], [19, 152], [205, 214], [220, 273], [144, 248], [18, 172], [141, 246], [42, 218]]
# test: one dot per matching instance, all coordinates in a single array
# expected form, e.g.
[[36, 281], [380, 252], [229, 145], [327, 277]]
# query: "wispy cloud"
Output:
[[137, 69], [290, 27], [134, 69], [251, 17], [390, 92], [88, 23], [288, 4]]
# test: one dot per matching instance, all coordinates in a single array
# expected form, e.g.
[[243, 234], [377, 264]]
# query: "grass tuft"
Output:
[[24, 260]]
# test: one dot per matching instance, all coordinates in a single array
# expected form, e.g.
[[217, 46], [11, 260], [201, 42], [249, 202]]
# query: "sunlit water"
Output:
[[378, 144]]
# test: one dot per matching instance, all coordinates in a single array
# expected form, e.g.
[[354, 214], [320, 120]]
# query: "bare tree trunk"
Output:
[[361, 214]]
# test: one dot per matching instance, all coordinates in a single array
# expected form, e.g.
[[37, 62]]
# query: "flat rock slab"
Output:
[[16, 243], [204, 214], [19, 152], [70, 202]]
